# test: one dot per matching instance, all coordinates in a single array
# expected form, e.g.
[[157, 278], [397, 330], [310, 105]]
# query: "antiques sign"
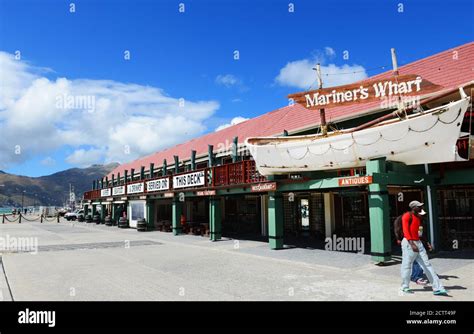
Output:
[[365, 91], [355, 181]]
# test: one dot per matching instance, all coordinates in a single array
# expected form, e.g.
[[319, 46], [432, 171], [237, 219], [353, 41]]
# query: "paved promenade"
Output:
[[79, 261]]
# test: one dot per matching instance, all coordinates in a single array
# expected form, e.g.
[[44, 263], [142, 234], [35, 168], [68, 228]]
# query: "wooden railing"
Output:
[[237, 173]]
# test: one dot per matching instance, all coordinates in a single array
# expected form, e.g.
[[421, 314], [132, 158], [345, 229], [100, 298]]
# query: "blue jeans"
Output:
[[409, 256], [416, 272]]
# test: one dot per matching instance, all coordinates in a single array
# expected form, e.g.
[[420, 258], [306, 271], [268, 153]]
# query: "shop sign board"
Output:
[[195, 179], [135, 188], [158, 185], [355, 181], [262, 187], [105, 192], [117, 191]]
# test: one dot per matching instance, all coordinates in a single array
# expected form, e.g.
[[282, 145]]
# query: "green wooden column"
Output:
[[164, 170], [94, 209], [380, 240], [215, 218], [193, 160], [86, 209], [113, 214], [150, 214], [177, 210], [235, 146], [432, 236], [102, 212], [275, 220]]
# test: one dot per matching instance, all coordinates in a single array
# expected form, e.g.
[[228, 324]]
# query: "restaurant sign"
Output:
[[365, 91], [261, 187], [189, 180], [355, 181], [135, 188], [117, 191], [105, 192], [206, 193], [157, 185]]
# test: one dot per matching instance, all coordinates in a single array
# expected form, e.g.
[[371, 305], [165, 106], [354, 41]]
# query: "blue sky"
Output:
[[187, 55]]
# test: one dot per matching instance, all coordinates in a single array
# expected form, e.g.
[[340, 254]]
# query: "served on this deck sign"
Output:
[[157, 185], [355, 181], [195, 179], [135, 188]]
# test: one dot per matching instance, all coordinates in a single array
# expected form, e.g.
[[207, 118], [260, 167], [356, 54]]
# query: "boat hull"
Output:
[[429, 137]]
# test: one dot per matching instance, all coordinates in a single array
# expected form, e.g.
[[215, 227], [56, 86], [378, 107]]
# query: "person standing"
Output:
[[413, 250]]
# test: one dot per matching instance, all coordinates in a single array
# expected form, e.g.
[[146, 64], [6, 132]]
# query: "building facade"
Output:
[[211, 185]]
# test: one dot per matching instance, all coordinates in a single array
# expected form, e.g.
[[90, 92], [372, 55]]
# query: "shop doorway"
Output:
[[242, 217]]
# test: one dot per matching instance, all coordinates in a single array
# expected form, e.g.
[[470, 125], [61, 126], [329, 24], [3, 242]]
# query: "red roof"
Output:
[[449, 69]]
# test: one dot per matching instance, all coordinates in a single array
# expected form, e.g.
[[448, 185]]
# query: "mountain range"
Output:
[[51, 190]]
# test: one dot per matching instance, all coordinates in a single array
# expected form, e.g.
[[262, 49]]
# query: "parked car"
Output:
[[74, 215]]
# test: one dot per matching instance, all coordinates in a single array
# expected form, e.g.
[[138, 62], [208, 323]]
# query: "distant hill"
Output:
[[51, 189]]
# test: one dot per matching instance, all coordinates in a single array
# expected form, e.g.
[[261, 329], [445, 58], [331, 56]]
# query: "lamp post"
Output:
[[22, 198]]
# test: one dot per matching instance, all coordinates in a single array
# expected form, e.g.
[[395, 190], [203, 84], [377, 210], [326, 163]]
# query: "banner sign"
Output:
[[105, 192], [206, 193], [135, 188], [355, 181], [365, 91], [270, 186], [117, 191], [189, 180], [157, 185]]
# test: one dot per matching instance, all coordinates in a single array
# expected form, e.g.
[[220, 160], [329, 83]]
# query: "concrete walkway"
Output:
[[79, 261]]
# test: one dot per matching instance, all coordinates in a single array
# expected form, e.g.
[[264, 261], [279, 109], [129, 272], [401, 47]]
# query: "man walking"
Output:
[[413, 250]]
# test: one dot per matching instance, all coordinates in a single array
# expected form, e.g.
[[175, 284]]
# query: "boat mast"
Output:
[[322, 113]]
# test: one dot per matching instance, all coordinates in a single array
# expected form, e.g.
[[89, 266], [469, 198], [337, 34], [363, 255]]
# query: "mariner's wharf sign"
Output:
[[189, 180], [117, 191], [105, 192], [365, 91], [135, 188], [157, 185]]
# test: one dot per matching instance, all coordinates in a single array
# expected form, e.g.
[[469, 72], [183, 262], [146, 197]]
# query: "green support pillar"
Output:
[[432, 208], [275, 220], [193, 160], [132, 174], [142, 172], [93, 185], [150, 214], [118, 179], [152, 170], [164, 171], [113, 180], [125, 176], [177, 211], [210, 154], [86, 209], [106, 181], [380, 240], [176, 164], [113, 214], [215, 218], [235, 146], [94, 209], [102, 213]]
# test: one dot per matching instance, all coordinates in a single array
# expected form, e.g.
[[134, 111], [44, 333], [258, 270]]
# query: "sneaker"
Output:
[[421, 281], [407, 290], [441, 292]]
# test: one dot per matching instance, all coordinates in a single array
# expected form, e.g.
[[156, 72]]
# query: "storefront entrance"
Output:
[[242, 217]]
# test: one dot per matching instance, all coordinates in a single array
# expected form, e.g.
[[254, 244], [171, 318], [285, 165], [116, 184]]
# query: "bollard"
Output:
[[58, 217], [3, 219], [41, 221], [19, 218]]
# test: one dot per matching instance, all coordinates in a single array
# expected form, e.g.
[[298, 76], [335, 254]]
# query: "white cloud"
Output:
[[83, 157], [48, 161], [329, 51], [227, 80], [116, 121], [235, 120], [300, 73]]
